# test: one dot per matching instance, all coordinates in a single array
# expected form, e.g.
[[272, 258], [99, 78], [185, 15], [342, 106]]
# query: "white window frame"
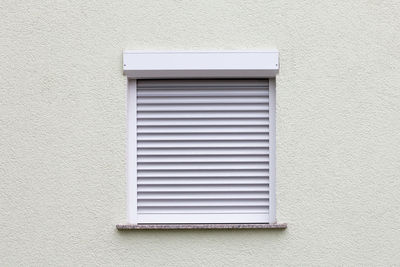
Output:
[[165, 65]]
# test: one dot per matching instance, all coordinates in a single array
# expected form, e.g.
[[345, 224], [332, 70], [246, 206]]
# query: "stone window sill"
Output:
[[200, 226]]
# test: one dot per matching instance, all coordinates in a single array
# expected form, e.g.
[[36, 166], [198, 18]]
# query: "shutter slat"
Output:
[[202, 158], [201, 180], [203, 173], [200, 115], [201, 202], [184, 151], [202, 150], [203, 188], [201, 136], [205, 91], [205, 210], [203, 107], [201, 100], [203, 129], [200, 83], [202, 143], [201, 165], [203, 122], [204, 195]]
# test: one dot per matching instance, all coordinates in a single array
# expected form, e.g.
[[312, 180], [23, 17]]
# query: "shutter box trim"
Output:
[[227, 64]]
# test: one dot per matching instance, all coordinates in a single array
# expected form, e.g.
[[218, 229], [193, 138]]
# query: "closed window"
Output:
[[201, 139]]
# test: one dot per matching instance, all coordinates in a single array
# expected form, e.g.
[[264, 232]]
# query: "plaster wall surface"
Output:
[[63, 130]]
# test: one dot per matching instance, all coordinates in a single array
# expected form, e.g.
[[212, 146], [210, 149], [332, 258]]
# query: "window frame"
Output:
[[168, 65]]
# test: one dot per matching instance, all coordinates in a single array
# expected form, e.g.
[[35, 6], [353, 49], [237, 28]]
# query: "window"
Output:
[[201, 137]]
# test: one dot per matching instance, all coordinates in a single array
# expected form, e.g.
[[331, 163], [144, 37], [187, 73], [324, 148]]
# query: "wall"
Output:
[[63, 130]]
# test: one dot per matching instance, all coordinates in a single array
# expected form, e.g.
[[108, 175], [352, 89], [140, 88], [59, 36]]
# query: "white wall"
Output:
[[63, 130]]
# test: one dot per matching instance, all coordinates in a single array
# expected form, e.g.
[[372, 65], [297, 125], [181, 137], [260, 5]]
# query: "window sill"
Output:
[[200, 226]]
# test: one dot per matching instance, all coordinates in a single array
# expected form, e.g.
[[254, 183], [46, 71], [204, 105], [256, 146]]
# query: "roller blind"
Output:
[[203, 151]]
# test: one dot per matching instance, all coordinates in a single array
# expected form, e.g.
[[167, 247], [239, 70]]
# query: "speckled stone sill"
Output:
[[200, 226]]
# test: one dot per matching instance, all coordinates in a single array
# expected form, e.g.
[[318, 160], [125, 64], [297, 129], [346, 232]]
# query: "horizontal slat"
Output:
[[204, 151], [201, 136], [205, 122], [203, 195], [203, 129], [202, 173], [160, 218], [202, 188], [204, 91], [211, 209], [202, 106], [201, 99], [208, 143], [201, 202], [202, 180], [201, 158], [200, 114], [199, 83], [201, 165]]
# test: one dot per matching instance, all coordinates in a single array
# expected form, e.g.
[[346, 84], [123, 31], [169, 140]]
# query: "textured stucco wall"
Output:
[[62, 130]]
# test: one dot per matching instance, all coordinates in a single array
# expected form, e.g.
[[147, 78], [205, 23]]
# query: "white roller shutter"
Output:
[[203, 151]]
